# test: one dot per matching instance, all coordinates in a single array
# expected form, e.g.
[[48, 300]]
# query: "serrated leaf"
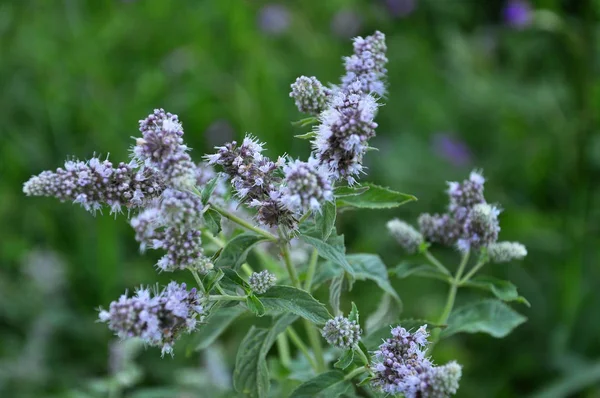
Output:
[[340, 192], [376, 197], [211, 279], [255, 305], [488, 316], [235, 252], [345, 360], [329, 251], [215, 324], [326, 385], [405, 269], [370, 266], [504, 290], [386, 313], [251, 375], [234, 277], [208, 189], [325, 220], [212, 220], [353, 316], [292, 300], [374, 339], [335, 292]]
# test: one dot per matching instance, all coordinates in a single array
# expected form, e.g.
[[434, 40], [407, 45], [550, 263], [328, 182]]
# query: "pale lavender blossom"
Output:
[[158, 318], [517, 13], [307, 186], [481, 227], [346, 126], [367, 64], [453, 150], [96, 183], [184, 250], [181, 209]]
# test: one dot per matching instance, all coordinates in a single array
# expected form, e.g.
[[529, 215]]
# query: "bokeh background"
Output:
[[512, 88]]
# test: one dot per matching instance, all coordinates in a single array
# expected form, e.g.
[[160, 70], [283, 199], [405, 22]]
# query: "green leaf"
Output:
[[386, 313], [363, 348], [251, 375], [308, 136], [255, 305], [370, 266], [326, 250], [325, 220], [235, 252], [353, 313], [215, 323], [374, 339], [504, 290], [345, 360], [335, 292], [488, 316], [211, 279], [326, 385], [306, 122], [405, 269], [208, 189], [234, 277], [291, 300], [340, 192], [376, 197], [212, 220]]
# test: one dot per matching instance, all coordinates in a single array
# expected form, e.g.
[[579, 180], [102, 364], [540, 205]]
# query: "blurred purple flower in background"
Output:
[[346, 24], [400, 8], [451, 149], [274, 19], [517, 13]]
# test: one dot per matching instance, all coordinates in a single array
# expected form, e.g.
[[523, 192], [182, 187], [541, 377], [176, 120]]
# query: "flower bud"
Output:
[[503, 252], [260, 282], [341, 332], [408, 237]]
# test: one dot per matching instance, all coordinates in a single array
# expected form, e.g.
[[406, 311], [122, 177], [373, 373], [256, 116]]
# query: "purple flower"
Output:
[[401, 8], [453, 150], [274, 19], [517, 13]]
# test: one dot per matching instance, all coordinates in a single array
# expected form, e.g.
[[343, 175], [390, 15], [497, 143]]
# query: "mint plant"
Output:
[[206, 217]]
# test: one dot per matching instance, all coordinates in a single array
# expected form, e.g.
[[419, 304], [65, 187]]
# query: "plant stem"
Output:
[[226, 297], [356, 372], [244, 223], [454, 284], [362, 355], [304, 217], [247, 269], [213, 238], [315, 343], [302, 347], [436, 262], [283, 348], [285, 252], [470, 274], [197, 278], [310, 273]]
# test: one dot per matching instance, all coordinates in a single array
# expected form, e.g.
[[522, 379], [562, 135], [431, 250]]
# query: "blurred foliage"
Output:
[[522, 104]]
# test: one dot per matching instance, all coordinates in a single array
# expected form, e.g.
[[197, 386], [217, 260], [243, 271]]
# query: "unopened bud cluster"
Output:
[[408, 237], [402, 367], [503, 252], [310, 95], [341, 332], [261, 281]]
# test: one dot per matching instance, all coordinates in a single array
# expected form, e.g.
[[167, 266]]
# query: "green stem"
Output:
[[436, 262], [302, 347], [455, 283], [315, 343], [247, 269], [312, 267], [362, 355], [473, 271], [356, 372], [287, 259], [283, 348], [226, 297], [304, 217], [213, 238], [244, 223], [197, 278]]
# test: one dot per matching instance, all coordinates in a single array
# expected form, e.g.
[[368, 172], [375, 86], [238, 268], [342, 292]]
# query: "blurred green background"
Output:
[[470, 86]]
